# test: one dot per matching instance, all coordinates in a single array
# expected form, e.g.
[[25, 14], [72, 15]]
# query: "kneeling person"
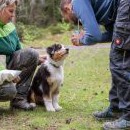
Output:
[[25, 60]]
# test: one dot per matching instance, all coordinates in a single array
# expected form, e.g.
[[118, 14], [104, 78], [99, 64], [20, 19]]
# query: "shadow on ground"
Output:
[[6, 112]]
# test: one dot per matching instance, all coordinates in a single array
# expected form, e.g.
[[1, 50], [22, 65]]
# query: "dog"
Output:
[[48, 78]]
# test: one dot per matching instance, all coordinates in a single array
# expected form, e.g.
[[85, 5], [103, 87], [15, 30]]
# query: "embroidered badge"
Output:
[[118, 41]]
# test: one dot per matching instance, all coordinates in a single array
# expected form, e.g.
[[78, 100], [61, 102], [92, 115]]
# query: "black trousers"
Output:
[[119, 95], [25, 60]]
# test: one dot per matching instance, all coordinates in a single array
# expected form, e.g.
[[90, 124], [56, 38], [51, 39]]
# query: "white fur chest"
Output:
[[56, 74]]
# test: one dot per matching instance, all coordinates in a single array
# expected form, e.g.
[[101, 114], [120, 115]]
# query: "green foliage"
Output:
[[55, 30], [60, 28], [28, 33], [20, 29], [1, 67], [64, 26], [31, 34]]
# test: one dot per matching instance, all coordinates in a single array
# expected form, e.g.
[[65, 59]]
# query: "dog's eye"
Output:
[[52, 52], [59, 46]]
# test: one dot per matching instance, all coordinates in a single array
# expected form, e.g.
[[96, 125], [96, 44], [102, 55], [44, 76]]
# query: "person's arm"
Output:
[[9, 40], [107, 37], [83, 11], [9, 76]]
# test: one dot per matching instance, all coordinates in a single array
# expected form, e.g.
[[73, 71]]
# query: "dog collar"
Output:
[[55, 65]]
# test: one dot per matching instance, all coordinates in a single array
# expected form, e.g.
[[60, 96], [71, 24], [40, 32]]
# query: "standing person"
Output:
[[119, 95], [25, 60]]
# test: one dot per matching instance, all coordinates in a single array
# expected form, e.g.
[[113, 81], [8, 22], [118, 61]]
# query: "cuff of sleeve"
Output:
[[87, 41]]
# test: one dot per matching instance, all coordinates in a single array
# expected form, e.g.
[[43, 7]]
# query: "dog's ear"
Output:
[[50, 50]]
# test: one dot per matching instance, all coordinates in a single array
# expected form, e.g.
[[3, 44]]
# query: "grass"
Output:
[[85, 90], [48, 39], [42, 37]]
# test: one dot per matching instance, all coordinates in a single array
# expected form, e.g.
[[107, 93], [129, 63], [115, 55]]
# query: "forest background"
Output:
[[36, 19], [39, 12]]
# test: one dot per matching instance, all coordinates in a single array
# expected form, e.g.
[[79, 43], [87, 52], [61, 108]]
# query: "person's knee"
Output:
[[34, 54], [7, 92], [13, 92]]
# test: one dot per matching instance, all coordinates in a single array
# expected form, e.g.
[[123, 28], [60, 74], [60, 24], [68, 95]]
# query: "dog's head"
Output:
[[57, 52]]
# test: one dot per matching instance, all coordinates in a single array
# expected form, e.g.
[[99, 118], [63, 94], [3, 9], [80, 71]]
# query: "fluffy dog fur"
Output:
[[48, 79]]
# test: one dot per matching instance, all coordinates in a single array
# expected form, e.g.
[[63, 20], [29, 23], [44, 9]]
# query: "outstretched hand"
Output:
[[75, 39], [16, 80]]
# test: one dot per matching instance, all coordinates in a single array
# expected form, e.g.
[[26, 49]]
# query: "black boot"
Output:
[[108, 114], [120, 124], [21, 104]]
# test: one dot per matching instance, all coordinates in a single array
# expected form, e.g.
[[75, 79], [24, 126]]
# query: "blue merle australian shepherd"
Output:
[[48, 78]]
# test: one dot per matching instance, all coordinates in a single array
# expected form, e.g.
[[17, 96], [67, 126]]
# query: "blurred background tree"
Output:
[[39, 20], [39, 12]]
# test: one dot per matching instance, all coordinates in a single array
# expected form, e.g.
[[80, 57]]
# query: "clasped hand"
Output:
[[76, 37], [42, 59]]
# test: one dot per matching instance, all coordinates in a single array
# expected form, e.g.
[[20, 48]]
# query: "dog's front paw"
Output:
[[33, 105], [49, 106], [58, 108], [51, 109]]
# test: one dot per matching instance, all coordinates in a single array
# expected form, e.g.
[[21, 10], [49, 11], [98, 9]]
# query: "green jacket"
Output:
[[9, 41]]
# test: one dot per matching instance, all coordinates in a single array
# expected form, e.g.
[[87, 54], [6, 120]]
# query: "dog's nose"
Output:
[[67, 50]]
